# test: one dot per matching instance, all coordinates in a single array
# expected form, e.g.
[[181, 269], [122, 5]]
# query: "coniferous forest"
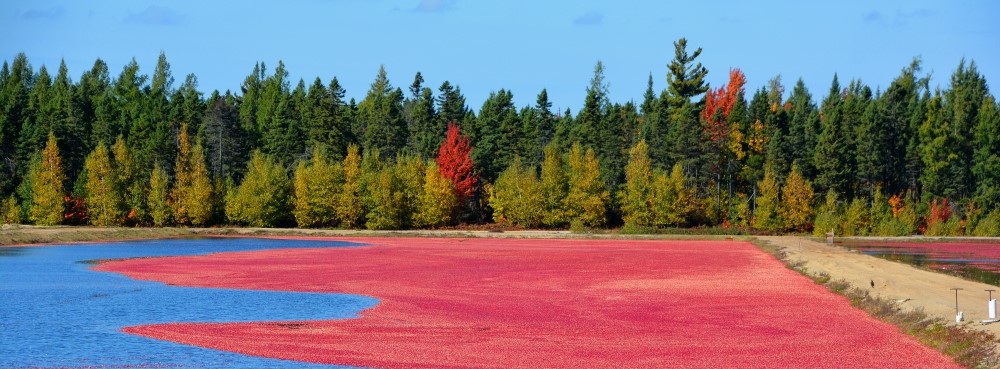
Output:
[[130, 149]]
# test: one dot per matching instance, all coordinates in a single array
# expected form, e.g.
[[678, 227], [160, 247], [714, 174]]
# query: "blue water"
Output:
[[56, 312]]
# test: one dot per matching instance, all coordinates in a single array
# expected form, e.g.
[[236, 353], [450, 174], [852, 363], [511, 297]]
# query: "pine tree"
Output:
[[380, 117], [493, 132], [940, 152], [158, 197], [587, 198], [832, 170], [437, 200], [986, 168], [104, 192], [796, 202], [635, 197], [766, 214], [47, 188], [685, 79]]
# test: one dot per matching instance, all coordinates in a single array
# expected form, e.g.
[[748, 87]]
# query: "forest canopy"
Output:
[[132, 149]]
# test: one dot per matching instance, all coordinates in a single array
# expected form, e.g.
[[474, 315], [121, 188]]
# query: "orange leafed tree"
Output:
[[455, 163], [719, 103]]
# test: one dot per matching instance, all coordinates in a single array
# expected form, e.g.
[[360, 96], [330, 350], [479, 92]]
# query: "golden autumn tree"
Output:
[[200, 206], [672, 200], [48, 195], [263, 198], [516, 197], [635, 198], [554, 188], [587, 199], [316, 187], [104, 192], [796, 201], [437, 200], [349, 211], [766, 213], [158, 196]]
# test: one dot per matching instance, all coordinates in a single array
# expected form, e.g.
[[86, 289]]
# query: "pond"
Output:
[[978, 261], [57, 313]]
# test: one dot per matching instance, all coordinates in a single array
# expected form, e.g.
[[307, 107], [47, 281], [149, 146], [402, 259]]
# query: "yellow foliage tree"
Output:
[[47, 187], [587, 199], [104, 195], [200, 206], [317, 186], [348, 202], [516, 197], [796, 201], [636, 197], [159, 208], [262, 199], [554, 188], [673, 202], [437, 200], [766, 214]]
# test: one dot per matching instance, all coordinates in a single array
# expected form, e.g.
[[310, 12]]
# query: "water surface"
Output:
[[56, 312]]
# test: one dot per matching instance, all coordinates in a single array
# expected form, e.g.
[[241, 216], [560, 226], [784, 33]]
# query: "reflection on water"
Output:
[[978, 262], [56, 312]]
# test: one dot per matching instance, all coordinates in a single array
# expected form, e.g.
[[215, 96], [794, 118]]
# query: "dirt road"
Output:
[[912, 287]]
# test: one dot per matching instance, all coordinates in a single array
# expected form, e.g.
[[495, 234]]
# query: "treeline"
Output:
[[135, 150]]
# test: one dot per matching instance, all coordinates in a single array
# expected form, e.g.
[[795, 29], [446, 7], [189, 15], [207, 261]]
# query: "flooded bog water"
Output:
[[979, 261], [57, 313]]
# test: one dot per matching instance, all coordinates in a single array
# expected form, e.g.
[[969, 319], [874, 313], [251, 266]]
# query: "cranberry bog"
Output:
[[519, 303], [974, 260]]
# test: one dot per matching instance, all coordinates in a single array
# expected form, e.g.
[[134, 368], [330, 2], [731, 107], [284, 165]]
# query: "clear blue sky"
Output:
[[519, 45]]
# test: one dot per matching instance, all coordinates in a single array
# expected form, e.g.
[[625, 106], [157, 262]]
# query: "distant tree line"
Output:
[[136, 150]]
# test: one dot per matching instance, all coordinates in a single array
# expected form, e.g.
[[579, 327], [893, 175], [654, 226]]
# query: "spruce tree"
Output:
[[986, 167], [380, 117], [832, 170]]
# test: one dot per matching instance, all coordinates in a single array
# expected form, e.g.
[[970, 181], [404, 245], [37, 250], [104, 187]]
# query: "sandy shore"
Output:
[[912, 287]]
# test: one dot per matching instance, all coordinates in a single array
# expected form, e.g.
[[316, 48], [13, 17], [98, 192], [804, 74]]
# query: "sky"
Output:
[[519, 45]]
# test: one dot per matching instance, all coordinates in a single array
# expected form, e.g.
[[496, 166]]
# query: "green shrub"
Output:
[[988, 226]]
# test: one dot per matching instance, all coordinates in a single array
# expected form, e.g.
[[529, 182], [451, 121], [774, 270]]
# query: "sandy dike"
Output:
[[911, 287]]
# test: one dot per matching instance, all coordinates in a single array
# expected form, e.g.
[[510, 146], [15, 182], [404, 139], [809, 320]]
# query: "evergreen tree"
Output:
[[685, 79], [47, 188], [832, 168], [380, 117], [226, 142], [104, 192], [495, 129], [962, 103], [451, 105], [803, 128], [942, 169], [986, 168]]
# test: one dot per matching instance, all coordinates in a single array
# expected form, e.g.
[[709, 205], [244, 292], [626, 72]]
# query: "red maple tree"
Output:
[[455, 162], [722, 101]]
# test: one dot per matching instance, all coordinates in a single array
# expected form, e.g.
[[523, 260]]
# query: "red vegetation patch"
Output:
[[512, 303]]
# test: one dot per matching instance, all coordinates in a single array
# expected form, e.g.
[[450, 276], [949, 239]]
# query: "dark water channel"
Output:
[[56, 313]]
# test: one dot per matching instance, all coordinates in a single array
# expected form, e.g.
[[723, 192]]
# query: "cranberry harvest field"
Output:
[[524, 303]]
